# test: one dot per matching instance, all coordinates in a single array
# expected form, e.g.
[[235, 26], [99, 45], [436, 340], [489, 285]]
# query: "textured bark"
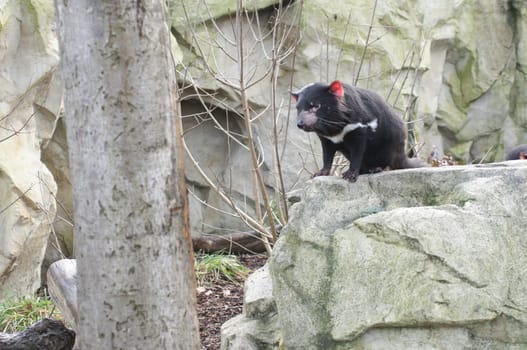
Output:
[[46, 334], [133, 249]]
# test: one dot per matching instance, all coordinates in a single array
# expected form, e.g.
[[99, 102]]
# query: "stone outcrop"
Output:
[[431, 256], [31, 99], [257, 327]]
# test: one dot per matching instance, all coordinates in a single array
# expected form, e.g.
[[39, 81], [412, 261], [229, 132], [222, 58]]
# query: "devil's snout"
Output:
[[300, 123]]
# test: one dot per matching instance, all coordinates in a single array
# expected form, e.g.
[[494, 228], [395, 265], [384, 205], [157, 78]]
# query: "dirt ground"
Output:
[[220, 302]]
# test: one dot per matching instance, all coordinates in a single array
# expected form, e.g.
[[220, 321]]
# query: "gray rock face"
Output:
[[416, 259], [31, 99]]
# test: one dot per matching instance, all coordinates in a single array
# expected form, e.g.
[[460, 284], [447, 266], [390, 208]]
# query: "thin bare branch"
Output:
[[242, 214], [18, 131], [367, 42], [47, 190], [16, 199], [247, 23], [229, 134], [218, 30], [245, 105], [404, 64]]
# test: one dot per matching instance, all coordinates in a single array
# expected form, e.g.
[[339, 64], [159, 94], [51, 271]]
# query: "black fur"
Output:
[[375, 144], [518, 152]]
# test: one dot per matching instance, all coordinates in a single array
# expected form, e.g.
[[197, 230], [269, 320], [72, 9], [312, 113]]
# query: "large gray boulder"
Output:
[[414, 259], [31, 98], [257, 327]]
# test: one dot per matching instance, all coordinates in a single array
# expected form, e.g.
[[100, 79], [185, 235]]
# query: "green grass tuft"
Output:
[[16, 314], [212, 267]]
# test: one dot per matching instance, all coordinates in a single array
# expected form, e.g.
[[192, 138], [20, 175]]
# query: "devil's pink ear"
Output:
[[295, 96], [336, 88]]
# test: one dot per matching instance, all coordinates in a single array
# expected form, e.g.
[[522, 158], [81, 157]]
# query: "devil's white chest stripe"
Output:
[[338, 138]]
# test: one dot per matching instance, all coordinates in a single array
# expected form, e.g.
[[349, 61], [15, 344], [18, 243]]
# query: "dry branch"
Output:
[[237, 243], [46, 334]]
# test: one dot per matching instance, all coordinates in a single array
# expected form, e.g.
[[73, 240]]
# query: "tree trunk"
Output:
[[136, 285]]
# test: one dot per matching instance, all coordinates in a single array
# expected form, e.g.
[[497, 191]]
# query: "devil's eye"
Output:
[[313, 105]]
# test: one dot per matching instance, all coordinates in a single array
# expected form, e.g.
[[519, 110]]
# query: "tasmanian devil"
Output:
[[518, 152], [357, 123]]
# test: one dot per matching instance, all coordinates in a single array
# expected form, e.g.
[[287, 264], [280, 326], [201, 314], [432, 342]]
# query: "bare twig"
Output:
[[16, 199], [247, 116], [16, 132], [236, 48], [47, 190], [367, 42]]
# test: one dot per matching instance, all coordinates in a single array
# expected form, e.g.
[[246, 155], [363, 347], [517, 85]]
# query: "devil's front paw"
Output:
[[351, 175], [321, 172], [375, 170]]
